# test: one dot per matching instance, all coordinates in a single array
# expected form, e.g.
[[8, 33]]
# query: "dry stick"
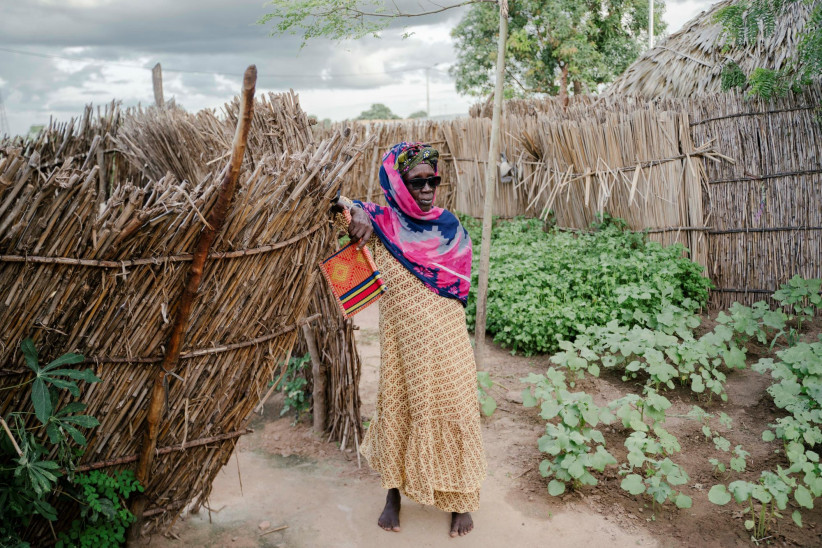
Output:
[[184, 257], [318, 373], [162, 451], [280, 528], [11, 437], [490, 185], [216, 218]]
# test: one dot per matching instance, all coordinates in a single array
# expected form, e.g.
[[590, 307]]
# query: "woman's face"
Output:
[[425, 196]]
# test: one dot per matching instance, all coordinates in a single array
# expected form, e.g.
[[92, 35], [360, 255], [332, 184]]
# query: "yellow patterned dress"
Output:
[[425, 437]]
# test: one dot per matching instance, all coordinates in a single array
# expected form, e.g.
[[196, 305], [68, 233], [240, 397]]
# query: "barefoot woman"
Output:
[[424, 439]]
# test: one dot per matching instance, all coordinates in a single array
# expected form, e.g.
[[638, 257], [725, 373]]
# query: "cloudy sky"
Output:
[[58, 55]]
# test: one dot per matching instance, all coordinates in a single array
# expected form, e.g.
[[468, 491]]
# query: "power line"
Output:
[[216, 73]]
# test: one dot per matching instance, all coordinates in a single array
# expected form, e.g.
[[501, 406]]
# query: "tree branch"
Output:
[[398, 13]]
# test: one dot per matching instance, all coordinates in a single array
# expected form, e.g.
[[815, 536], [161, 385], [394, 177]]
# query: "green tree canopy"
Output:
[[418, 114], [377, 111], [552, 43]]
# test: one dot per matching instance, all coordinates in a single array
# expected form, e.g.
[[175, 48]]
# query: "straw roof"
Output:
[[690, 61]]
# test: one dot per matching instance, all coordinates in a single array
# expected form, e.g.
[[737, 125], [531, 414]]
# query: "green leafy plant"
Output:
[[797, 389], [295, 385], [574, 446], [487, 403], [762, 500], [802, 296], [650, 470], [44, 455], [546, 287], [50, 375], [104, 515], [662, 355]]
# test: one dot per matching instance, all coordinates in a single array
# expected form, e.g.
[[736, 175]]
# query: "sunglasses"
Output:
[[419, 183]]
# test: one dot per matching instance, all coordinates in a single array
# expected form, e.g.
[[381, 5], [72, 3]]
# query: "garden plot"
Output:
[[667, 435]]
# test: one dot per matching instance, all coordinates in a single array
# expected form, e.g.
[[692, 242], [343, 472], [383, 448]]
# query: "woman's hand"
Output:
[[359, 229]]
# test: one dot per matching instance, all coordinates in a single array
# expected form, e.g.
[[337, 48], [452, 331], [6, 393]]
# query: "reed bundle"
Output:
[[115, 304]]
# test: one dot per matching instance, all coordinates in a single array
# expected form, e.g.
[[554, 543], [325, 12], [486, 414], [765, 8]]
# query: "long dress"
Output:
[[425, 437]]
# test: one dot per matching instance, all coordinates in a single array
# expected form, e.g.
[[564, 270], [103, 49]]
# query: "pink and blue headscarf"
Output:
[[432, 245]]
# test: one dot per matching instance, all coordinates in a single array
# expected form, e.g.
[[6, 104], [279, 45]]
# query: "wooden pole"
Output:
[[490, 186], [157, 81], [318, 373], [213, 225]]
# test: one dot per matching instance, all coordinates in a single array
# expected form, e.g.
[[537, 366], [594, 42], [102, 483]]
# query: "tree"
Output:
[[418, 114], [377, 111], [553, 43], [743, 22]]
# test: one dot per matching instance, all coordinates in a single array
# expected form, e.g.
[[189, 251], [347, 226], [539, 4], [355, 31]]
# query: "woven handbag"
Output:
[[354, 279]]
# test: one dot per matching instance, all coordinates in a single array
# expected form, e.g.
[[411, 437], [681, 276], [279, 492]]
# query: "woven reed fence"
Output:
[[639, 164], [764, 221], [91, 261]]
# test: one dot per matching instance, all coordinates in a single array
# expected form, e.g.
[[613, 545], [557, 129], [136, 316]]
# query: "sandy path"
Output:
[[327, 502]]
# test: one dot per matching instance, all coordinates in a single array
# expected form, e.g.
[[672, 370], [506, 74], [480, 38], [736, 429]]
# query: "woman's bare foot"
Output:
[[390, 517], [461, 524]]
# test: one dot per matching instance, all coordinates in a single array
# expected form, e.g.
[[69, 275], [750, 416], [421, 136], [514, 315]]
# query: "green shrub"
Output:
[[548, 286]]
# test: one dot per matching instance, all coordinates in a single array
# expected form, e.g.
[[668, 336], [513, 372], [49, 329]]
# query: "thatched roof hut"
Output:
[[690, 61]]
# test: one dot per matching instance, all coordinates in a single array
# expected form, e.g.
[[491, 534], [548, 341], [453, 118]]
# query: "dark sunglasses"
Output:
[[419, 183]]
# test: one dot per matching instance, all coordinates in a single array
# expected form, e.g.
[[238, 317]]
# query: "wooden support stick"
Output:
[[490, 187], [157, 83], [185, 302], [318, 374]]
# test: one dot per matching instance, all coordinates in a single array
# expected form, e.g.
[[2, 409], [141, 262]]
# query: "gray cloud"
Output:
[[125, 38]]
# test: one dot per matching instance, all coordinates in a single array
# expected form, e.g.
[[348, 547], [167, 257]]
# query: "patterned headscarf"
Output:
[[432, 245], [414, 155]]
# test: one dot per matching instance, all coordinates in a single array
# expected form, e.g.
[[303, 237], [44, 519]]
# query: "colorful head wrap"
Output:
[[432, 245], [414, 155]]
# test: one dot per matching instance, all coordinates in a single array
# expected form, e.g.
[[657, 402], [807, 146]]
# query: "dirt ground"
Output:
[[286, 487]]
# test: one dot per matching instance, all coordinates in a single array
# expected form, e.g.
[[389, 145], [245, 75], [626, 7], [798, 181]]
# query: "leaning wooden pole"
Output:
[[490, 186], [185, 301]]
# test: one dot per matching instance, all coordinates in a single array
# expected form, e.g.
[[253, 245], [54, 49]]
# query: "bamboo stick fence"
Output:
[[93, 254]]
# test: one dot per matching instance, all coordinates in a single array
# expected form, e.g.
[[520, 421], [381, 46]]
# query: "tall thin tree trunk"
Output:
[[490, 186]]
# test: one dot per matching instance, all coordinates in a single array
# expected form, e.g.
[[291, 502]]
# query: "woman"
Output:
[[424, 439]]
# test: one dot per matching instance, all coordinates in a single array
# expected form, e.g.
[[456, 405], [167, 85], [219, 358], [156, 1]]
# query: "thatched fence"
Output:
[[764, 220], [97, 222]]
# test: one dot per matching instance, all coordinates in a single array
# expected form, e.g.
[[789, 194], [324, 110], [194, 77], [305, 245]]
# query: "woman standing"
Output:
[[424, 439]]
